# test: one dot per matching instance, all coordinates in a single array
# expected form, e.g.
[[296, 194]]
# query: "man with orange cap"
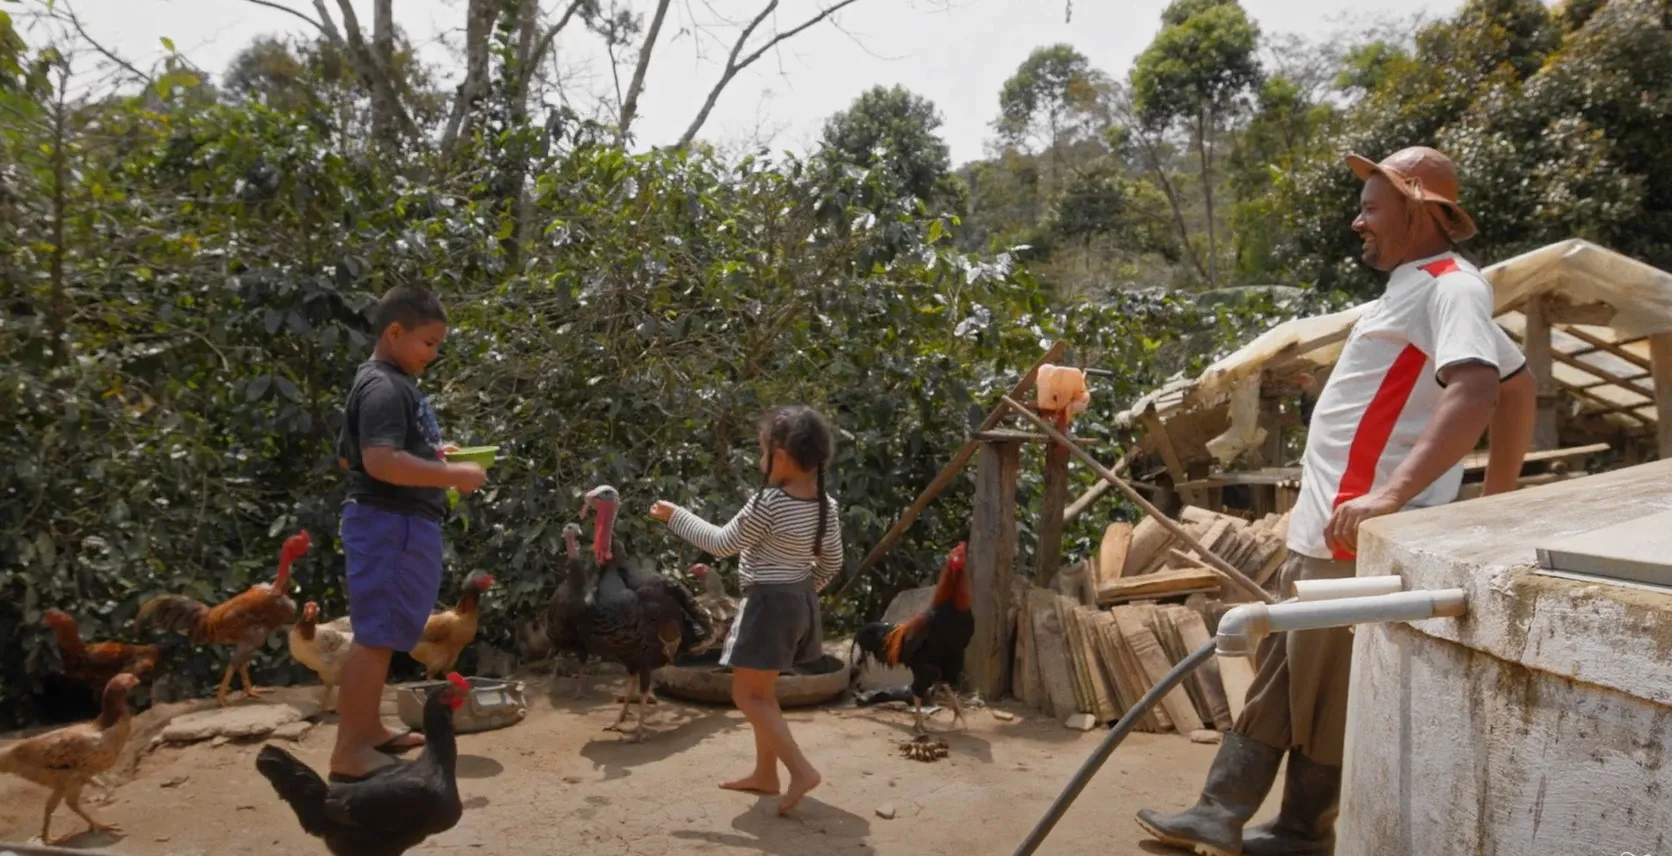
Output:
[[1423, 374]]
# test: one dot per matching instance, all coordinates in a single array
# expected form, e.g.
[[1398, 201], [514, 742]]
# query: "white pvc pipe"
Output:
[[1243, 625], [1306, 590]]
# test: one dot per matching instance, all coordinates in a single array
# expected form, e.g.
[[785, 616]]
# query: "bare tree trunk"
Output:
[[479, 22], [630, 103], [372, 70], [735, 65], [538, 54], [1204, 127], [1160, 171], [383, 47], [60, 312]]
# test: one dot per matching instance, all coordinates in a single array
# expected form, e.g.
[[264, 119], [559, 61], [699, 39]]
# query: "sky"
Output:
[[957, 53]]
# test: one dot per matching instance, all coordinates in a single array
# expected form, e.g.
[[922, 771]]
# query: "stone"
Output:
[[1004, 715], [1205, 735], [886, 811], [293, 731], [1081, 722], [241, 722]]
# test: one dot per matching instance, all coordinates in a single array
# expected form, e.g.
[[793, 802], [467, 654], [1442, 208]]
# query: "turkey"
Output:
[[629, 613], [563, 613]]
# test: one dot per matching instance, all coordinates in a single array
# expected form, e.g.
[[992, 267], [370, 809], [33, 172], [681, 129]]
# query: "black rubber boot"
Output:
[[1241, 776], [1306, 824]]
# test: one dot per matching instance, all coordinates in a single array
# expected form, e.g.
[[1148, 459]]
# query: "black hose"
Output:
[[1107, 747]]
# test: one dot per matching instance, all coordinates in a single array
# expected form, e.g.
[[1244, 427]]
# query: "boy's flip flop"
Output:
[[393, 746]]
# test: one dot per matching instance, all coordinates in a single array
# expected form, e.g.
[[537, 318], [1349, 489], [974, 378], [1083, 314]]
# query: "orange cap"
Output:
[[1425, 175]]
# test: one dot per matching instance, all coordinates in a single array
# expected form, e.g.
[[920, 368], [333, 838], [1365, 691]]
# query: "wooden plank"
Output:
[[1149, 539], [948, 472], [1120, 686], [1104, 697], [1193, 632], [992, 552], [1660, 356], [1476, 461], [1048, 549], [1160, 583], [1084, 695], [1051, 651], [1146, 649], [1160, 621], [1112, 553], [1137, 682], [1536, 344], [1007, 435], [1262, 476]]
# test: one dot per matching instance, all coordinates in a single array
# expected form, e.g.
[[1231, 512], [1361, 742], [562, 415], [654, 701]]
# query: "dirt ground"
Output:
[[558, 783]]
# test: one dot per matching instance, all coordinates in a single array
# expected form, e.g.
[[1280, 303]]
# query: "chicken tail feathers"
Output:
[[298, 785], [174, 612], [897, 637], [872, 642]]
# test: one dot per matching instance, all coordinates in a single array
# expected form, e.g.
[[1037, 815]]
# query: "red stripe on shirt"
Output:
[[1376, 426], [1439, 268]]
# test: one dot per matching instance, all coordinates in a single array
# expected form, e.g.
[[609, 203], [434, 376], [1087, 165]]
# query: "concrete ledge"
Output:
[[1610, 636]]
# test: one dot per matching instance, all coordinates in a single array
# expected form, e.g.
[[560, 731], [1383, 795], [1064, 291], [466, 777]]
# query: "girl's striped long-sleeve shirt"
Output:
[[773, 534]]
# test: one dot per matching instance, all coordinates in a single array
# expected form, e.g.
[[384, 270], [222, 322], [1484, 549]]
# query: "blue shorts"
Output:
[[394, 574]]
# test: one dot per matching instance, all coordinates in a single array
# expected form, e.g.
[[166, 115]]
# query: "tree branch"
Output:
[[76, 22], [378, 76], [546, 40], [289, 11], [734, 65], [479, 22], [630, 104]]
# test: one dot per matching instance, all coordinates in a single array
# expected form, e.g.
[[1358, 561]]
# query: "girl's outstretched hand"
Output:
[[662, 510]]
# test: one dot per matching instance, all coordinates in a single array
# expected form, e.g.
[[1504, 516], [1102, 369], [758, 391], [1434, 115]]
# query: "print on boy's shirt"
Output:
[[427, 421]]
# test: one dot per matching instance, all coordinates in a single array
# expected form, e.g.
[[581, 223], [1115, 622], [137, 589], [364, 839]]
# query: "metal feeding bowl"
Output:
[[492, 703], [700, 677]]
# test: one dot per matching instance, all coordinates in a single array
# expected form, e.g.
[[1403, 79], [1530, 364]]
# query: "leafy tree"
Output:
[[1192, 76], [895, 130]]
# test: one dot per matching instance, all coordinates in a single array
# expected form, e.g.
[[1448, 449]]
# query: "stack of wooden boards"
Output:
[[1099, 641]]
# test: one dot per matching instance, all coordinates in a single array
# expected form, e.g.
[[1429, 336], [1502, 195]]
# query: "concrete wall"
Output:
[[1536, 724]]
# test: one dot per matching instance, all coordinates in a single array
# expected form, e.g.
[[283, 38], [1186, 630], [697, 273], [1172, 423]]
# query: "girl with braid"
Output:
[[790, 543]]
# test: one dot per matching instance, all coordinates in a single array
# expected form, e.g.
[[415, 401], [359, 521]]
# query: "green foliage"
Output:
[[894, 129], [1051, 93], [1200, 62]]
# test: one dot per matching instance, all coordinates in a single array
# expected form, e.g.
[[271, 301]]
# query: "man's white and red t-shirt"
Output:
[[1436, 313]]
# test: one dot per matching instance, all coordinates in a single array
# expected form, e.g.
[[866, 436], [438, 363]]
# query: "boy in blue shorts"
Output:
[[391, 527]]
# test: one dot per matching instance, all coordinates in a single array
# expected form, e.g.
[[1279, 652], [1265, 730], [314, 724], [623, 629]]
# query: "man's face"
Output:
[[1383, 223], [414, 349]]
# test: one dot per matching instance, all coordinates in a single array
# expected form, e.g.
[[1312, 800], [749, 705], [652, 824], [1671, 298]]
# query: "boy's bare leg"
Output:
[[359, 723]]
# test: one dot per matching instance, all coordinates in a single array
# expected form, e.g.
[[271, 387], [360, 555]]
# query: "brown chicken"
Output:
[[447, 633], [246, 620], [67, 759], [930, 643], [95, 664], [722, 607]]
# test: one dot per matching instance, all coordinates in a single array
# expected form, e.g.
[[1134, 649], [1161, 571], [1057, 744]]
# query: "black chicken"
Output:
[[932, 642], [630, 613], [394, 810]]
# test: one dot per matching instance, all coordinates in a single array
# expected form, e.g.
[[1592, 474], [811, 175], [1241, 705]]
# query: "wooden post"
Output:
[[1536, 340], [1050, 525], [1660, 358], [992, 552]]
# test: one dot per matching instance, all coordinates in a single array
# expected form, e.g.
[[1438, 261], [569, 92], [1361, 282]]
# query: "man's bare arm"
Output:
[[1511, 433]]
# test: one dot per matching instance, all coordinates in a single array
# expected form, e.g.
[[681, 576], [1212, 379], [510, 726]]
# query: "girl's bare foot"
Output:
[[799, 787], [754, 783]]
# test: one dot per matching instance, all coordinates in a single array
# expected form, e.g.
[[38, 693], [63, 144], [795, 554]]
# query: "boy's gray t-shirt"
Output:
[[385, 408]]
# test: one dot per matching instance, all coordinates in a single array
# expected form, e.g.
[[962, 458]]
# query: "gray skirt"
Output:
[[777, 628]]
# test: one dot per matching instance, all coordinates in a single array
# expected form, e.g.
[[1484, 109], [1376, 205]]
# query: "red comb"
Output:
[[458, 680]]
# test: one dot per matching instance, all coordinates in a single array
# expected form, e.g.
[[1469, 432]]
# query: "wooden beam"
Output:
[[1477, 460], [1618, 349], [992, 551], [1536, 338], [947, 473], [1169, 455], [1609, 406], [1660, 358], [1005, 435], [1234, 576], [1560, 311], [1605, 374], [1085, 500], [1051, 510]]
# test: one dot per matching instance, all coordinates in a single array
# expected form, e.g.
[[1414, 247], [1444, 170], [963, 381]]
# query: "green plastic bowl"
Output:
[[481, 455]]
